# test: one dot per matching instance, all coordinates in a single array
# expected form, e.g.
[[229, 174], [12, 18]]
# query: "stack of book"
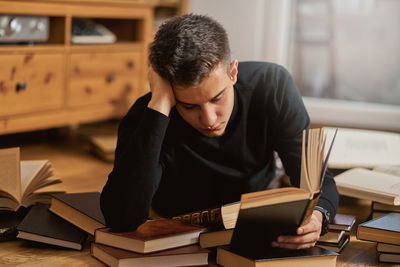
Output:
[[338, 235], [385, 231], [380, 209]]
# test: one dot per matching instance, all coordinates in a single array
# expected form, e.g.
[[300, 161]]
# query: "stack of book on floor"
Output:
[[158, 242], [380, 209], [385, 231], [338, 236], [66, 222]]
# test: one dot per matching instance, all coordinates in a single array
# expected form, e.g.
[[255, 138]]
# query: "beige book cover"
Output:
[[370, 185]]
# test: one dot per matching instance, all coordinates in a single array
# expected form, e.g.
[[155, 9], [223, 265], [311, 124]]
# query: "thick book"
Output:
[[335, 246], [80, 209], [265, 215], [388, 248], [24, 183], [389, 258], [220, 217], [215, 238], [370, 185], [153, 235], [311, 257], [41, 225], [364, 148], [385, 229], [376, 206], [184, 256], [331, 237], [342, 222]]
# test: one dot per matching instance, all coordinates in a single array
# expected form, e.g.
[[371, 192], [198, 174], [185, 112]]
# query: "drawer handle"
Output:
[[110, 78], [20, 86]]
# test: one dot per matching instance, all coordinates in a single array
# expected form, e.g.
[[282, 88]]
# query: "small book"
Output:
[[376, 214], [342, 222], [80, 209], [153, 235], [41, 225], [389, 258], [215, 238], [332, 237], [265, 215], [221, 217], [388, 248], [184, 256], [103, 145], [24, 183], [314, 256], [336, 247], [385, 229], [369, 185]]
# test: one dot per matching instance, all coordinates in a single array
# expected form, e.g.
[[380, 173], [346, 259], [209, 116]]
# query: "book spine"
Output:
[[309, 210], [207, 217]]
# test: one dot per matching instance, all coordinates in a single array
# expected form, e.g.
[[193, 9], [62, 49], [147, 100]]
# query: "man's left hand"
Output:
[[307, 235]]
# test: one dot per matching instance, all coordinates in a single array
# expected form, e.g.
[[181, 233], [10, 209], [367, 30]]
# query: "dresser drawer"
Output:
[[103, 78], [31, 83]]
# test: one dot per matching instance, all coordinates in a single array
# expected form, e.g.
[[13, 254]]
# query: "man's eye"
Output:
[[188, 107], [215, 100]]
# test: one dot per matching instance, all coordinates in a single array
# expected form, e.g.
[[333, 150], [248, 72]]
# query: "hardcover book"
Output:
[[388, 248], [184, 256], [153, 235], [24, 183], [385, 229], [342, 222], [215, 238], [41, 225], [265, 215], [80, 209], [311, 257], [389, 258], [369, 185], [335, 246]]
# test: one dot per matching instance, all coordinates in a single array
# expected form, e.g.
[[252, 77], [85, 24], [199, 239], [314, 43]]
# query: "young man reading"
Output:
[[207, 133]]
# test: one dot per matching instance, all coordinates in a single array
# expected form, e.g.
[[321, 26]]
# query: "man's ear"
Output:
[[234, 70]]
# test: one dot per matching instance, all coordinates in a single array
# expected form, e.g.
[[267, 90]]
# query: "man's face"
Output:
[[208, 106]]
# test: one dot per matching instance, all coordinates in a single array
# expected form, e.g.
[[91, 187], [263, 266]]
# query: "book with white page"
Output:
[[370, 185], [363, 148]]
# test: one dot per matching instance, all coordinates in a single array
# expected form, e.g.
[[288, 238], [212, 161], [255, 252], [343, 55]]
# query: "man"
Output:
[[207, 132]]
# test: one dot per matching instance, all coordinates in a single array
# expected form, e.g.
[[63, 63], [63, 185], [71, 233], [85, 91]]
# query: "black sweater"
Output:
[[163, 162]]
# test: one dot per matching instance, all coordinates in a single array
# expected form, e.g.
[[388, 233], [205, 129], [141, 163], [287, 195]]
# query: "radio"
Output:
[[18, 28]]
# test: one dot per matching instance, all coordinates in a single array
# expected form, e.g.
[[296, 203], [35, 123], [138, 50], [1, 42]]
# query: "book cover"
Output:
[[342, 222], [80, 209], [41, 225], [389, 258], [388, 248], [153, 235], [385, 229], [332, 237], [192, 255], [369, 185], [24, 183], [336, 247], [314, 256]]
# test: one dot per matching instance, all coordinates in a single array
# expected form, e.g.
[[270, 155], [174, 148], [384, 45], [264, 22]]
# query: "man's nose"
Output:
[[208, 116]]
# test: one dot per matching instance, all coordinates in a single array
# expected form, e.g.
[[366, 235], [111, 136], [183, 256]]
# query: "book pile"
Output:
[[103, 145], [338, 236], [385, 231], [380, 209]]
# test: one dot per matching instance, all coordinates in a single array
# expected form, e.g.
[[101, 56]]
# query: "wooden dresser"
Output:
[[58, 83]]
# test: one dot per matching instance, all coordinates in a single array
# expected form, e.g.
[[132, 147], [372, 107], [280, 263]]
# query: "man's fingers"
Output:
[[307, 238], [294, 245]]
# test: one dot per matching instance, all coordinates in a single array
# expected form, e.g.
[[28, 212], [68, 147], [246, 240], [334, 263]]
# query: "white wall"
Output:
[[258, 29]]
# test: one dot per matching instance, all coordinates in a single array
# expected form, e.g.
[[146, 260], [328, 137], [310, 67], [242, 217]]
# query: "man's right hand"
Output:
[[162, 96]]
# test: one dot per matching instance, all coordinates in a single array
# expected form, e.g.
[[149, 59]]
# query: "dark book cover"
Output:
[[40, 222], [257, 227], [285, 254], [389, 222], [342, 222], [87, 203]]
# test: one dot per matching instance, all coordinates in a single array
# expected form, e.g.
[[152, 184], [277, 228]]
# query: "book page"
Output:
[[30, 170], [369, 181], [363, 148], [10, 172]]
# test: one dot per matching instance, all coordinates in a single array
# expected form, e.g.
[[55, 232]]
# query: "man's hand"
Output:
[[162, 96], [306, 237]]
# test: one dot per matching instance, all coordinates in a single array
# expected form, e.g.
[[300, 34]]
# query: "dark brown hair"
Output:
[[187, 48]]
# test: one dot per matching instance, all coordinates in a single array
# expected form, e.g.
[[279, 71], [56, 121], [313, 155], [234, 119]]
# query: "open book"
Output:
[[23, 183], [265, 215]]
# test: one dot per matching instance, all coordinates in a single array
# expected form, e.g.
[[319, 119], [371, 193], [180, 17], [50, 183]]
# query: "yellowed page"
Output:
[[304, 175], [10, 181], [363, 148], [30, 170]]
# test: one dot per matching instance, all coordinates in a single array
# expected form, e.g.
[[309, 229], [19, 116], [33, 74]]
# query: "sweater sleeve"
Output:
[[126, 198], [291, 120]]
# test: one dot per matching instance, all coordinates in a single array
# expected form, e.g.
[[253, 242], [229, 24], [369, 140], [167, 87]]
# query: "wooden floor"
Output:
[[82, 171]]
